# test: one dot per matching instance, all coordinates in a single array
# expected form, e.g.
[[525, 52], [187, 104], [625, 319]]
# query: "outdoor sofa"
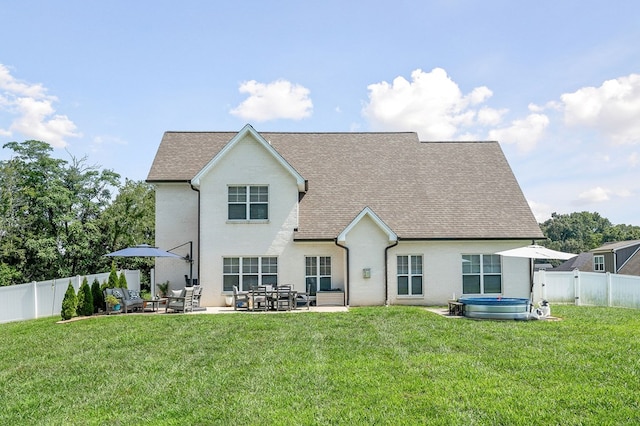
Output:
[[129, 299]]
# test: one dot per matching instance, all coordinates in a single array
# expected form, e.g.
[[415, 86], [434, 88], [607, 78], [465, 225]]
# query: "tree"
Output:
[[69, 303], [98, 297], [582, 231], [128, 221], [50, 211], [113, 277], [85, 299], [122, 281]]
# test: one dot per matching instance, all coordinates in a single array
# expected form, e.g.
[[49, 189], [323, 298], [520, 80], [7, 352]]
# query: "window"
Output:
[[317, 273], [409, 275], [481, 274], [247, 272], [598, 263], [253, 207]]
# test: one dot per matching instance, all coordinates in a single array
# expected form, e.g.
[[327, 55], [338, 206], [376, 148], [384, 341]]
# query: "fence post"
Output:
[[608, 288], [35, 300], [576, 286]]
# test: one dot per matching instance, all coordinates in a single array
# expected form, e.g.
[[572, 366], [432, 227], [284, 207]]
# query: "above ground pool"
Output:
[[495, 307]]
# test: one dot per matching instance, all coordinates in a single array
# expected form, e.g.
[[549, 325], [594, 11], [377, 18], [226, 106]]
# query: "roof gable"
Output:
[[248, 130], [367, 212]]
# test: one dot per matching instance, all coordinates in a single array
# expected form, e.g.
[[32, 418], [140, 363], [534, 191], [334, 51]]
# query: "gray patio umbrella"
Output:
[[142, 250], [535, 251]]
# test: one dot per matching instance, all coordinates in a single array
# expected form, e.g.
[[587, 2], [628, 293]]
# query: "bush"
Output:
[[113, 277], [122, 281], [85, 299], [98, 297], [69, 303]]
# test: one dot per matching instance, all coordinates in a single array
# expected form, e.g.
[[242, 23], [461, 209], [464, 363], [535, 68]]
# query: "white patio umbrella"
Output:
[[535, 251]]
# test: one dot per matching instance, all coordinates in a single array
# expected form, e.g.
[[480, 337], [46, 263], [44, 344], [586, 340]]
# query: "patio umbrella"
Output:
[[142, 250], [535, 251]]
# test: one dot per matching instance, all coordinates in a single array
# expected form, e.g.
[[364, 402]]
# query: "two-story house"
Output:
[[621, 257], [384, 217]]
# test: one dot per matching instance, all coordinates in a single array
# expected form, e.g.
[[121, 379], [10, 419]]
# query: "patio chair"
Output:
[[282, 298], [240, 299], [181, 300], [303, 298], [197, 293], [259, 298]]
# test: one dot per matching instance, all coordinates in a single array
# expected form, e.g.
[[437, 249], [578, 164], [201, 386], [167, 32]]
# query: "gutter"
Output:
[[386, 272], [198, 230], [346, 281]]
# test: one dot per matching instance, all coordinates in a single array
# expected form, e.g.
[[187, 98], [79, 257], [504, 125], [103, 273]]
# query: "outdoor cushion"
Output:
[[117, 293], [177, 293]]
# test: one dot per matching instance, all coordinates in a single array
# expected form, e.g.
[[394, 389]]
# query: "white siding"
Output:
[[247, 163], [176, 223], [442, 269], [366, 243]]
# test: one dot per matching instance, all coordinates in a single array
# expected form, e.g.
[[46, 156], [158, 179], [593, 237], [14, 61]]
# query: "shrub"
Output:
[[69, 303], [113, 277], [85, 299], [122, 281], [98, 297]]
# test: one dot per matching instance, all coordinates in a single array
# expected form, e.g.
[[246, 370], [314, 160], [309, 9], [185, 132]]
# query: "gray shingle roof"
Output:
[[421, 190]]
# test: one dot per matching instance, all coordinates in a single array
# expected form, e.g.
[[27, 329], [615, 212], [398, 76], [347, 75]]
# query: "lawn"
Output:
[[397, 365]]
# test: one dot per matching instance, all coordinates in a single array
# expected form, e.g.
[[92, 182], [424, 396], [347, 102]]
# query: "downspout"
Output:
[[386, 272], [198, 231], [346, 281]]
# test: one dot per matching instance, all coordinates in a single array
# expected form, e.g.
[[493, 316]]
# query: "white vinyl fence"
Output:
[[44, 298], [588, 288]]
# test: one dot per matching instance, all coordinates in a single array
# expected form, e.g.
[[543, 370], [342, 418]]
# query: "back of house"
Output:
[[374, 218]]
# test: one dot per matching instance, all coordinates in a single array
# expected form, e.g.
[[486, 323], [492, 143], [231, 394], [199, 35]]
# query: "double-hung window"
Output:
[[247, 272], [248, 202], [409, 269], [481, 274], [317, 273], [598, 263]]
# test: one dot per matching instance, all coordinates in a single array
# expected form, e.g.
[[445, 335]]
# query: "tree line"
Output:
[[582, 231], [58, 218]]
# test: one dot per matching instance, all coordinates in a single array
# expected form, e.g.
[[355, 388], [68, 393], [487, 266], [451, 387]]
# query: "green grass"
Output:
[[397, 365]]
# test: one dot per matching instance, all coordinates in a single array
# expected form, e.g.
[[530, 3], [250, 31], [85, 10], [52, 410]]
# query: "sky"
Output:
[[557, 83]]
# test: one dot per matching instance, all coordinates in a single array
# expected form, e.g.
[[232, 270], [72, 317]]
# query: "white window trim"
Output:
[[410, 295], [598, 256], [483, 274], [248, 203], [240, 274], [317, 275]]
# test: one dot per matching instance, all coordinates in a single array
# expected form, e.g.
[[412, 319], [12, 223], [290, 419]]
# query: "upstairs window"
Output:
[[598, 263], [248, 202]]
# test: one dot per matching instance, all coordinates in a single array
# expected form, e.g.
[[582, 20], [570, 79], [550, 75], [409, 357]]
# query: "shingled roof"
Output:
[[421, 190]]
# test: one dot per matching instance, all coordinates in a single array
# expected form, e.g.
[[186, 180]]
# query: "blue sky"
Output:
[[557, 83]]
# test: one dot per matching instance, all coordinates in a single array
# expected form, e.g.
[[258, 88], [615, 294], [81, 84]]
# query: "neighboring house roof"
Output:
[[615, 246], [583, 262], [420, 190]]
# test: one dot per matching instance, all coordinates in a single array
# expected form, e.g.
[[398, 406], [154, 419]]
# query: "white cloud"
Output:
[[35, 116], [612, 109], [541, 211], [431, 104], [275, 100], [524, 133], [594, 195], [634, 159]]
